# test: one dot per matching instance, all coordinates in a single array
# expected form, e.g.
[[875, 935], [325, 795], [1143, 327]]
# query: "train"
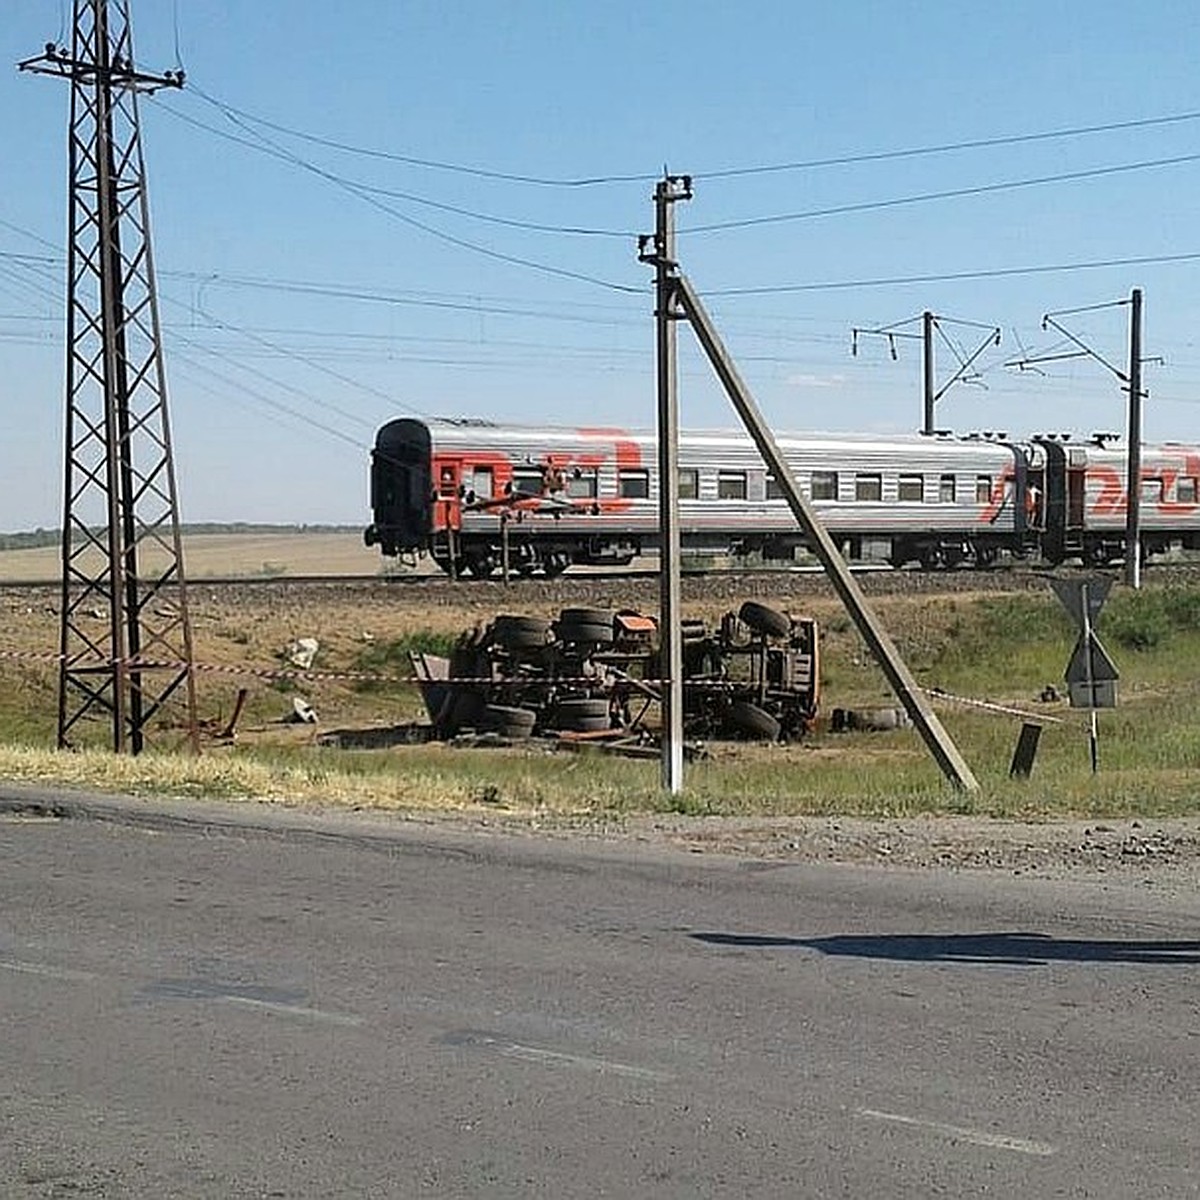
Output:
[[479, 496]]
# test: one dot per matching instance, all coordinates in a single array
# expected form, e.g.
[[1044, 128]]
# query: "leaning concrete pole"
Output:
[[943, 749]]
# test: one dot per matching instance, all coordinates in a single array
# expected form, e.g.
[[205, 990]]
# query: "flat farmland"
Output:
[[212, 555]]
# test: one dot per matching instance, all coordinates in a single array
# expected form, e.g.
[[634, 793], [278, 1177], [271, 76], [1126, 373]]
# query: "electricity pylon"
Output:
[[126, 642]]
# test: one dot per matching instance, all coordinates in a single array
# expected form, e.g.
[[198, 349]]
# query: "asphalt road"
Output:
[[372, 1009]]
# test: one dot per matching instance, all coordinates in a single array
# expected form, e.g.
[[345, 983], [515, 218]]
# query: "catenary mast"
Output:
[[126, 643]]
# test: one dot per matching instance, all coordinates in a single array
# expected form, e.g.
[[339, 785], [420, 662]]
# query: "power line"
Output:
[[274, 151], [946, 194], [429, 163], [393, 193], [432, 300], [985, 143], [955, 276]]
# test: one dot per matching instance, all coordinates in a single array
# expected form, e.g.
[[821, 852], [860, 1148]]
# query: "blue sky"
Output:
[[299, 316]]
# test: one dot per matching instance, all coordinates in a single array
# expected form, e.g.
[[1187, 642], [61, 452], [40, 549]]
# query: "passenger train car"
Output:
[[473, 494]]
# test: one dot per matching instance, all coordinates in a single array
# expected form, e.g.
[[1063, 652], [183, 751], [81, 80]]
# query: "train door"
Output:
[[1076, 492], [1062, 501], [449, 493]]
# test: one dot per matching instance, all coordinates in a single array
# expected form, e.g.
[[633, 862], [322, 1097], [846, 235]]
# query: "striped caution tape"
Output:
[[938, 694], [280, 672], [457, 681]]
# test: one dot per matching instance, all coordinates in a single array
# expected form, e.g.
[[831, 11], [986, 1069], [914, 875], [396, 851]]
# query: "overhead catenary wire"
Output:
[[837, 210], [253, 143], [265, 146], [955, 276], [849, 159]]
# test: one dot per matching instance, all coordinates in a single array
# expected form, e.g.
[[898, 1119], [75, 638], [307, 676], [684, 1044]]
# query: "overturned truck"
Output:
[[594, 674]]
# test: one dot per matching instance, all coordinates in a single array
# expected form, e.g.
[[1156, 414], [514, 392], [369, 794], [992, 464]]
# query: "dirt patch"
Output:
[[1129, 850]]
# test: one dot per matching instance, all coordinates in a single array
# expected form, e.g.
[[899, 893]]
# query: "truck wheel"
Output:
[[509, 722], [520, 633], [751, 721], [588, 715], [764, 619], [590, 625]]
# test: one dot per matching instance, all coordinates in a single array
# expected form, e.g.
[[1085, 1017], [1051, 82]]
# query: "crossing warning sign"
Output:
[[1091, 675]]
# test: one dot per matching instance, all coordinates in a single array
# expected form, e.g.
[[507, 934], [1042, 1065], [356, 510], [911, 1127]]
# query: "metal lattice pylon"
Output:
[[126, 642]]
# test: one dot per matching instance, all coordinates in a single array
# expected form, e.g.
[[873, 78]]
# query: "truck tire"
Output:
[[588, 715], [751, 721], [516, 723], [592, 633], [514, 632], [764, 619]]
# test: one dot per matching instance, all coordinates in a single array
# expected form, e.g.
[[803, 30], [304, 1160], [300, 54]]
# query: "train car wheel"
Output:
[[480, 566], [763, 619]]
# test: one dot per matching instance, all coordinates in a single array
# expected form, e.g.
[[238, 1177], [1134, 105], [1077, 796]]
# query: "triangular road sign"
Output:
[[1070, 592], [1101, 668]]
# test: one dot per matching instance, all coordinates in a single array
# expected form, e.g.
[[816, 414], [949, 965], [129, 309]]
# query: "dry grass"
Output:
[[1004, 649]]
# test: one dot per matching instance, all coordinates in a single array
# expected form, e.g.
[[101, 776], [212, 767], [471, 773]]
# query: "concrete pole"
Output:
[[927, 362], [1133, 487], [666, 192]]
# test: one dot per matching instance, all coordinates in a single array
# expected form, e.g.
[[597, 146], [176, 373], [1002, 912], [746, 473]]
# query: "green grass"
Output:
[[390, 659]]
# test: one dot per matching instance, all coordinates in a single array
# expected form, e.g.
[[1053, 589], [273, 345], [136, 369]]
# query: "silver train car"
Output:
[[473, 494]]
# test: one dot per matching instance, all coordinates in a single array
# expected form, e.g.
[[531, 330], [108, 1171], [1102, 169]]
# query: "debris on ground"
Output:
[[302, 653]]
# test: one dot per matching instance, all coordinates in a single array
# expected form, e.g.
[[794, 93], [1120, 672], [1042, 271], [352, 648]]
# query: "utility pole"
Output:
[[661, 253], [1133, 540], [931, 323], [927, 426], [1133, 381], [120, 505]]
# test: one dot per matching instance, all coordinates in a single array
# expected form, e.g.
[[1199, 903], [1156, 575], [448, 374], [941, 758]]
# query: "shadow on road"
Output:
[[1017, 949]]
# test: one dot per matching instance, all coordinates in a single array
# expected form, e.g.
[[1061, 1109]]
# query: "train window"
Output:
[[1185, 489], [581, 483], [1152, 490], [689, 483], [774, 491], [633, 485], [868, 487], [731, 485], [527, 481], [911, 487], [482, 483], [983, 489], [946, 489], [824, 485]]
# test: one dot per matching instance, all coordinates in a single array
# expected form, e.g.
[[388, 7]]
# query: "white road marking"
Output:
[[46, 972], [583, 1062], [977, 1137], [292, 1010]]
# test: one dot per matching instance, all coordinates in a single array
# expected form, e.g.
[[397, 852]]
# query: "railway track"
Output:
[[697, 583]]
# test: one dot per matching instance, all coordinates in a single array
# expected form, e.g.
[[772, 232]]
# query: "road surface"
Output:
[[253, 1006]]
